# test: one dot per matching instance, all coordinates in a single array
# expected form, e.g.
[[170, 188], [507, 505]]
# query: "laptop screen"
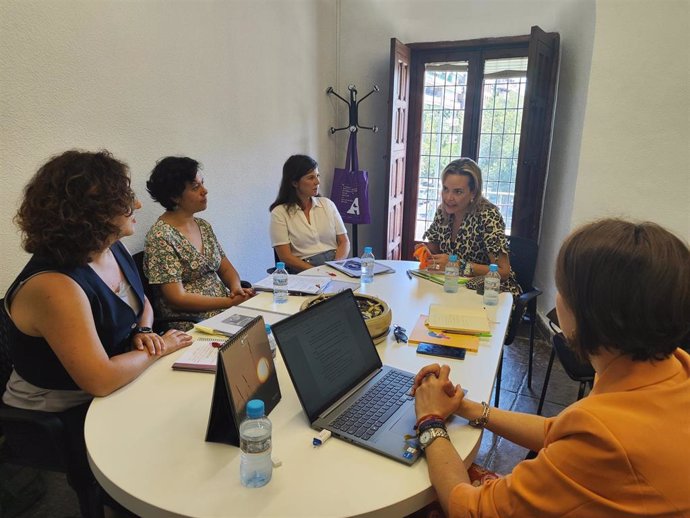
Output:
[[327, 350]]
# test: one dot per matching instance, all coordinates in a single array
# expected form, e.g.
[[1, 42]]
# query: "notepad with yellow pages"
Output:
[[459, 320], [422, 333]]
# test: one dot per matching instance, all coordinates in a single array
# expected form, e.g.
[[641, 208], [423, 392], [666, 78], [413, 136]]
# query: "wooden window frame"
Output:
[[541, 49]]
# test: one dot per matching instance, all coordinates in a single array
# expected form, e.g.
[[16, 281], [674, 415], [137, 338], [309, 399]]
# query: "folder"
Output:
[[422, 333]]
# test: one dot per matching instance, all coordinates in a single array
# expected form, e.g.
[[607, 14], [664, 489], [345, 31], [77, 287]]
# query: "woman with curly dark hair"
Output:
[[81, 324]]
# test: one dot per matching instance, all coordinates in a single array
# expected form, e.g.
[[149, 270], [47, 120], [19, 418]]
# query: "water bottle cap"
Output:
[[453, 258], [493, 267], [255, 408], [268, 329], [280, 265], [367, 249]]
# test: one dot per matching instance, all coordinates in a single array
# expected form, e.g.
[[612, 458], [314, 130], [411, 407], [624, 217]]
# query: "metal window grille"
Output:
[[503, 90], [445, 89]]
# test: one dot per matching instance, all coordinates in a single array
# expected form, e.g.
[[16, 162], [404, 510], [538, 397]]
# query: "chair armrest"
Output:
[[522, 300]]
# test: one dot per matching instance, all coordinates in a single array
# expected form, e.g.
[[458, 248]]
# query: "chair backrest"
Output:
[[272, 269], [523, 260], [5, 359], [139, 262], [572, 365]]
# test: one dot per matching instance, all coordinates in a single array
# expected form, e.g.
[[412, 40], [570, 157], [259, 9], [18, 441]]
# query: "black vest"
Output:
[[33, 358]]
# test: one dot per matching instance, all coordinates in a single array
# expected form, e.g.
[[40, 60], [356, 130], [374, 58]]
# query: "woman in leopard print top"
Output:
[[468, 225]]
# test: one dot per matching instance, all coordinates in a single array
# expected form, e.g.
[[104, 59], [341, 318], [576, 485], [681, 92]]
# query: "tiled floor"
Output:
[[496, 453], [26, 493]]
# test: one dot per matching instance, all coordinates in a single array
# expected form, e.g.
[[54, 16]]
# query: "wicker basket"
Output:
[[378, 324]]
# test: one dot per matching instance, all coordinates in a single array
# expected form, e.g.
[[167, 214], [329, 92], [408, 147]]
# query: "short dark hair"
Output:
[[69, 205], [628, 286], [169, 179], [294, 168]]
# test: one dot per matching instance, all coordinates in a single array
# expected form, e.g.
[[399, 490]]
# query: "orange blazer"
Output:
[[622, 451]]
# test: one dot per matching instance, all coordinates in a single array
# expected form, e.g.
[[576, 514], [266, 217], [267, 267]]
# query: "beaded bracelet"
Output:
[[430, 423], [426, 418]]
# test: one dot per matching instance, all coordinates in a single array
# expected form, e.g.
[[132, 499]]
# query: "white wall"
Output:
[[366, 29], [636, 143], [635, 156], [238, 85]]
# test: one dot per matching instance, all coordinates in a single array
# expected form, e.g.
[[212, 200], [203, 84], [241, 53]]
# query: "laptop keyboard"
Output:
[[376, 405]]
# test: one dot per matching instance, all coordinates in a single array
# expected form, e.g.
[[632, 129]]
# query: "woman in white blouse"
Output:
[[306, 229]]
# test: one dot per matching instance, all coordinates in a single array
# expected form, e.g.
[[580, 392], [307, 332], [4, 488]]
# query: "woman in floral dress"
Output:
[[183, 260], [470, 226]]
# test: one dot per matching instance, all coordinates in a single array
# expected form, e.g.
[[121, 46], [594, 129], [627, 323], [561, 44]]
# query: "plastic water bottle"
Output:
[[450, 281], [256, 466], [271, 340], [280, 284], [492, 286], [367, 262]]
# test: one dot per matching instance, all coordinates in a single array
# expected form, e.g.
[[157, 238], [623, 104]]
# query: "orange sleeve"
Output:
[[580, 457]]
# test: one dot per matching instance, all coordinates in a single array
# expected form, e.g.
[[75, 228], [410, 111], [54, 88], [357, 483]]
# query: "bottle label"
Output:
[[255, 446]]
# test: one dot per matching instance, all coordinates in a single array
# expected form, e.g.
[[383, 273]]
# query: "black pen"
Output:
[[409, 275]]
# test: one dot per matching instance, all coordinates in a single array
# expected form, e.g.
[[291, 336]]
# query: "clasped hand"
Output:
[[242, 293], [157, 345], [434, 393]]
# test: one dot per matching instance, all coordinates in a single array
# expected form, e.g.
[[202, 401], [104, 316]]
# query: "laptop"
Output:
[[340, 380]]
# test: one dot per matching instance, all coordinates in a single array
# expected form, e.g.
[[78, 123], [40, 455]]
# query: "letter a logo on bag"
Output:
[[354, 208]]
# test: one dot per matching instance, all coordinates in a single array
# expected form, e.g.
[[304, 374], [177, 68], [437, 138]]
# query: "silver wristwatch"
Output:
[[431, 434]]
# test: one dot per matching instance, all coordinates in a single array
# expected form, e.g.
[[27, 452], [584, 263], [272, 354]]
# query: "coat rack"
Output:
[[354, 127]]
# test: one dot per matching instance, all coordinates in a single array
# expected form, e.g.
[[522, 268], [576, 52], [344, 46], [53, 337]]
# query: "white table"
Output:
[[146, 441]]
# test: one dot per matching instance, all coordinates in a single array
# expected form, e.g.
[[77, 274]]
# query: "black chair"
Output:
[[574, 368], [39, 439], [272, 269], [523, 261]]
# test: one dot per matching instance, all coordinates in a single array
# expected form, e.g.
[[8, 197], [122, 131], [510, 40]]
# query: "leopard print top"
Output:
[[482, 233]]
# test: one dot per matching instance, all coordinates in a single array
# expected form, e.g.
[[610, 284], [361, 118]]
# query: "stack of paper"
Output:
[[353, 267], [299, 284], [460, 320]]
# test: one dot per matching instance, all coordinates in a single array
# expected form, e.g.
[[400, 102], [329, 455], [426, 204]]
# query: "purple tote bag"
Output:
[[350, 191]]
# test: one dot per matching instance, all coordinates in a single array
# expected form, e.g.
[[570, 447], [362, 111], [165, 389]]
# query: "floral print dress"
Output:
[[170, 257], [482, 233]]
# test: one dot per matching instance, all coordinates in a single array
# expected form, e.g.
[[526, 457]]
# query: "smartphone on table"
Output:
[[441, 350]]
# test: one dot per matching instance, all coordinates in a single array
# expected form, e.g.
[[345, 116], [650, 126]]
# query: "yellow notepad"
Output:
[[460, 320]]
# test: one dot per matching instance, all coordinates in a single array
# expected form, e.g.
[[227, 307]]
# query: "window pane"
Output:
[[503, 91], [443, 114]]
